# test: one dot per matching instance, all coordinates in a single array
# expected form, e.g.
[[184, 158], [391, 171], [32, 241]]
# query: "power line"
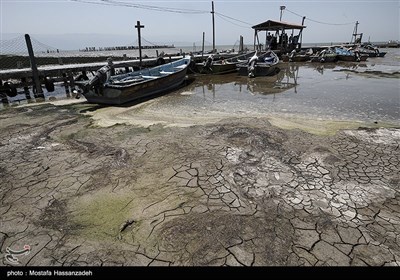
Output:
[[225, 17], [161, 9], [320, 22], [140, 6]]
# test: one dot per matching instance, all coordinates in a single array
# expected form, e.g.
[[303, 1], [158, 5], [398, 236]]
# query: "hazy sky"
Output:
[[111, 22]]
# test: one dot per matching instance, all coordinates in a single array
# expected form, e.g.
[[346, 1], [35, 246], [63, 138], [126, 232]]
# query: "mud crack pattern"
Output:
[[238, 193]]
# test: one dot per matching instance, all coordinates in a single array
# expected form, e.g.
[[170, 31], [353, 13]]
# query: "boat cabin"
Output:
[[280, 36]]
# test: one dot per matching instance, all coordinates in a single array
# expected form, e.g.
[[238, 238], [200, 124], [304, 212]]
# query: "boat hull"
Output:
[[223, 66], [259, 70], [264, 64], [216, 68], [325, 59], [296, 58], [351, 57], [129, 87], [375, 54]]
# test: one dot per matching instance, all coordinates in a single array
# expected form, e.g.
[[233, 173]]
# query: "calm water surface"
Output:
[[368, 91]]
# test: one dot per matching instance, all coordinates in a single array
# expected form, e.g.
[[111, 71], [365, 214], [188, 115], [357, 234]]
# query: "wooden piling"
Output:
[[3, 96], [25, 85], [71, 81], [213, 26], [202, 45], [65, 80], [35, 72]]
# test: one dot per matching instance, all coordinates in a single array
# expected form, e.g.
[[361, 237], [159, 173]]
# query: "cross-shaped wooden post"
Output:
[[138, 26]]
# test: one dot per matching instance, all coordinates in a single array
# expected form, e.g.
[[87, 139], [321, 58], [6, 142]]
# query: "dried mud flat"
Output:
[[236, 192]]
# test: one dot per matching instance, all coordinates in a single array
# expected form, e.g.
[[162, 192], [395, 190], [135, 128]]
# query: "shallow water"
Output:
[[367, 91], [307, 89]]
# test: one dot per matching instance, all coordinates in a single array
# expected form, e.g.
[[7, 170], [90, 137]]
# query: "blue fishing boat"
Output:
[[118, 89], [350, 55]]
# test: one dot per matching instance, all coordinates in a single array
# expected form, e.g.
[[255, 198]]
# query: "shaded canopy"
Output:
[[276, 25]]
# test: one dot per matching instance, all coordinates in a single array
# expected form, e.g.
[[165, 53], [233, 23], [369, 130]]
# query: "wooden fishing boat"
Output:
[[106, 89], [350, 55], [261, 64], [216, 65], [371, 50], [295, 56], [326, 55]]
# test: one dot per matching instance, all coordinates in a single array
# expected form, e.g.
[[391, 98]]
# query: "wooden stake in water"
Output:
[[35, 72], [138, 26]]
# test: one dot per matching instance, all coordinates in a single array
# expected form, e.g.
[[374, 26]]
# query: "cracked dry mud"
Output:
[[236, 192]]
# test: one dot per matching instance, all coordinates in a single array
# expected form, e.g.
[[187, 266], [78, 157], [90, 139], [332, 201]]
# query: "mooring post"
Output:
[[71, 81], [213, 25], [65, 80], [301, 33], [3, 96], [35, 72], [26, 87], [202, 46], [138, 26]]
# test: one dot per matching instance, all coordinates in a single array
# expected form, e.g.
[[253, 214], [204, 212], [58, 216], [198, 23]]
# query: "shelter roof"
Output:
[[274, 25]]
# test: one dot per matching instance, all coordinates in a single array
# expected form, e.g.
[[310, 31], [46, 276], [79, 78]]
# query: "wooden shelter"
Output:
[[279, 41]]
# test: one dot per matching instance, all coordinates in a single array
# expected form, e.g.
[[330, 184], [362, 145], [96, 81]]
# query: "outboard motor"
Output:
[[209, 60], [102, 76], [292, 55], [357, 55], [251, 67]]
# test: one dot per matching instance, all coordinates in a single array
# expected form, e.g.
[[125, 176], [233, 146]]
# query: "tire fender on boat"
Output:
[[160, 61], [11, 90], [49, 84]]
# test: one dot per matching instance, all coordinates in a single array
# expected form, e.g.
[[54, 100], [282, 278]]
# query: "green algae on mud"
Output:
[[101, 215]]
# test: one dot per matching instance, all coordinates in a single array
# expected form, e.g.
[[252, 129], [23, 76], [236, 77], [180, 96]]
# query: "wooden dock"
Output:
[[13, 79], [58, 70]]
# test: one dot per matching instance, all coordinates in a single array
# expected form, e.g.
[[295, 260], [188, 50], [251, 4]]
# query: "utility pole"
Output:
[[301, 32], [282, 8], [138, 26], [213, 24]]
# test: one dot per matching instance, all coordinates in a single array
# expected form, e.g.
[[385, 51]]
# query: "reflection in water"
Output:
[[25, 96], [321, 67], [287, 77], [284, 80], [300, 88], [337, 91]]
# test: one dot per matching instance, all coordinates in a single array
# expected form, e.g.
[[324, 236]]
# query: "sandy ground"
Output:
[[226, 191]]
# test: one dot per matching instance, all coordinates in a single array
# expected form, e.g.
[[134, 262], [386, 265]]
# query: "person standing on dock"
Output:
[[291, 40], [268, 41], [274, 43]]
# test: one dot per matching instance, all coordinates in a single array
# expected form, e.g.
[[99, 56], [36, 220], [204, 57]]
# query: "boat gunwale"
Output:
[[146, 78]]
